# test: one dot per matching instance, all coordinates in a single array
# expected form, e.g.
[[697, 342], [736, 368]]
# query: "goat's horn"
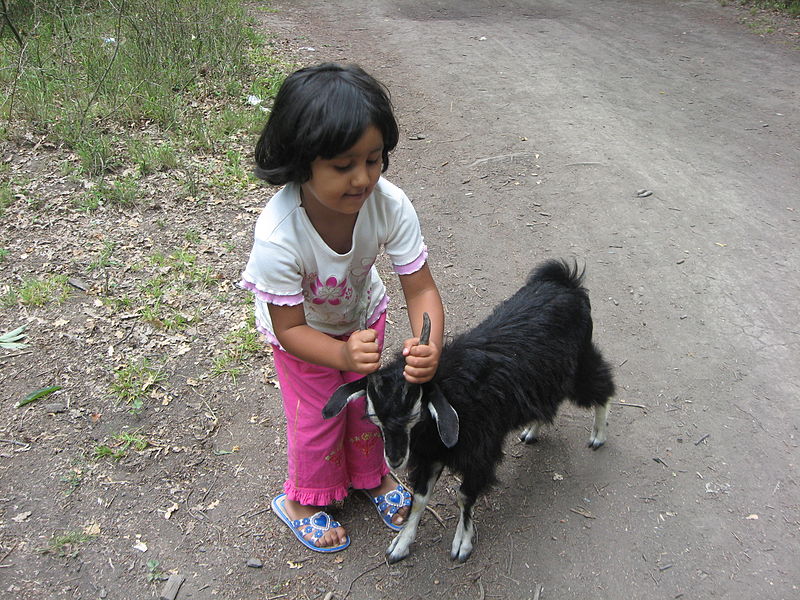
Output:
[[425, 336]]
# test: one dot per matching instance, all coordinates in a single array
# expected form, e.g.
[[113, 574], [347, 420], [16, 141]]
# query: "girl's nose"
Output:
[[360, 176]]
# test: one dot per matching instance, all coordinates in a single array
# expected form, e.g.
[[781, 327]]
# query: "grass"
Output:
[[118, 449], [67, 543], [37, 291], [132, 383], [241, 344], [140, 83]]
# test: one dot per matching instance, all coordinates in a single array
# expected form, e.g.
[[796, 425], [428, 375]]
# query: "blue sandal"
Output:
[[316, 525], [388, 505]]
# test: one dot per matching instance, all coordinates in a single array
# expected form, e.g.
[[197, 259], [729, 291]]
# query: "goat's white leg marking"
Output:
[[401, 544], [462, 540], [530, 434], [599, 428]]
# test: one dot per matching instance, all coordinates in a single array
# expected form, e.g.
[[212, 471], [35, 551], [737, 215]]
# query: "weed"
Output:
[[154, 573], [3, 251], [132, 382], [38, 292], [242, 343], [67, 543], [102, 451], [6, 197], [103, 260], [73, 479]]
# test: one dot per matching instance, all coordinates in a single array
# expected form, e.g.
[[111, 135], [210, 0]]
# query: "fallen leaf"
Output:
[[23, 516], [140, 546], [92, 529], [752, 517]]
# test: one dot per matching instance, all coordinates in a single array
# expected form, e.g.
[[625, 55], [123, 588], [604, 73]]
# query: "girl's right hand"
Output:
[[361, 352]]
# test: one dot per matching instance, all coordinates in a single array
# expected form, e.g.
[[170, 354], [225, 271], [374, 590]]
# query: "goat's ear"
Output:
[[343, 395], [445, 415]]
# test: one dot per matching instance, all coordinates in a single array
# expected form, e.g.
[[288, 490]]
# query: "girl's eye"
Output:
[[342, 168]]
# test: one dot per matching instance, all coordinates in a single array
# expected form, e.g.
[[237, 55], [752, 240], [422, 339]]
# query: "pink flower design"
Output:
[[332, 291]]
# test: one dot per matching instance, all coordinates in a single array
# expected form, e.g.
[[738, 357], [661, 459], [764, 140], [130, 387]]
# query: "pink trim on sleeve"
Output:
[[415, 265], [277, 299]]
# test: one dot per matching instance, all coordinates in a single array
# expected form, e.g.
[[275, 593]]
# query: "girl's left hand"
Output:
[[421, 361]]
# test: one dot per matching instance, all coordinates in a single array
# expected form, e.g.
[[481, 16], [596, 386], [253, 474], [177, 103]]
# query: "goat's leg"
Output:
[[425, 478], [530, 435], [599, 428], [462, 540]]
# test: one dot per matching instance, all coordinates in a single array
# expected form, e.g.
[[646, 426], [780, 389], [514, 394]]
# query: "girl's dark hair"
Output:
[[322, 111]]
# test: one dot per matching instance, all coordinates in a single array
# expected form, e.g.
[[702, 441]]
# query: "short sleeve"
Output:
[[273, 274], [404, 243]]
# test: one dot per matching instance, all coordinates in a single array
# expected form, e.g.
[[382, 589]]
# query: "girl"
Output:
[[319, 298]]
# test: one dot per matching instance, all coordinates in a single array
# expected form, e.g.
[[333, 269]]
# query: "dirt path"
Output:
[[528, 129]]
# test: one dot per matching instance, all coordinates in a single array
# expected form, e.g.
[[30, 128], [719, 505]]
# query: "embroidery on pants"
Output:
[[365, 442]]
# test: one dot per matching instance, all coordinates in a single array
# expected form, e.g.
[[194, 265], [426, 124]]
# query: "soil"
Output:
[[529, 131]]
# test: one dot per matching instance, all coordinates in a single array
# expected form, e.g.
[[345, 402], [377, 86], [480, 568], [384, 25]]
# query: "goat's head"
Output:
[[395, 406]]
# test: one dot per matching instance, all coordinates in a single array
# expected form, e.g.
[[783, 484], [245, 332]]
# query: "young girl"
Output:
[[319, 298]]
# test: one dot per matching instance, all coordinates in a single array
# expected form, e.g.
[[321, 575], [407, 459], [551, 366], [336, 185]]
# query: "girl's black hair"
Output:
[[322, 111]]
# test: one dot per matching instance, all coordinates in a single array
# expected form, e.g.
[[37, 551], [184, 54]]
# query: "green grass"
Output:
[[67, 543], [118, 449], [132, 383], [141, 82], [241, 344], [36, 291]]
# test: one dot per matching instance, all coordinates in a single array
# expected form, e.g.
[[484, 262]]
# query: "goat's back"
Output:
[[522, 360]]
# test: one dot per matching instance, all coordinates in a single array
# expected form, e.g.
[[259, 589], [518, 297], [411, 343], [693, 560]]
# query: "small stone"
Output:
[[254, 563]]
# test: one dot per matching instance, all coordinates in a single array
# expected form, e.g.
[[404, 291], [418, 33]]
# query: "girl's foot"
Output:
[[333, 537], [387, 485]]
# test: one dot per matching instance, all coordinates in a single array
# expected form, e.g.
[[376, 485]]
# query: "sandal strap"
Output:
[[393, 501], [317, 524]]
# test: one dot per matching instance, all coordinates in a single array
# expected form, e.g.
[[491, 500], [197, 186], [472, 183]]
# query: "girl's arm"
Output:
[[422, 296], [358, 354]]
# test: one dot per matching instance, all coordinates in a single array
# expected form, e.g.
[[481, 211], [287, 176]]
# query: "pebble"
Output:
[[254, 563], [644, 193]]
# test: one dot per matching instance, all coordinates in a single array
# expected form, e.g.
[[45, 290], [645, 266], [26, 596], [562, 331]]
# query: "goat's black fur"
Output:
[[511, 371]]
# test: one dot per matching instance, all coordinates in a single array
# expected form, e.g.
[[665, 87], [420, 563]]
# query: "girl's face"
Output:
[[342, 184]]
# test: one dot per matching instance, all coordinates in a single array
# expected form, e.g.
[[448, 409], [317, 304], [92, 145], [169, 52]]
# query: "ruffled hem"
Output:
[[314, 497], [270, 298], [309, 497], [415, 265]]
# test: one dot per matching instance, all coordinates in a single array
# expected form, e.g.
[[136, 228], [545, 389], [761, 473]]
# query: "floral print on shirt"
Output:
[[331, 291]]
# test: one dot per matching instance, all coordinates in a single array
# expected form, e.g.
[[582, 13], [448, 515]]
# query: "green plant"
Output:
[[3, 251], [73, 479], [103, 260], [242, 343], [154, 573], [67, 543], [38, 292], [14, 340], [6, 197], [133, 381]]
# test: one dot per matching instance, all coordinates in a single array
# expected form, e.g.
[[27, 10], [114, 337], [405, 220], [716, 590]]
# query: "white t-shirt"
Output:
[[290, 264]]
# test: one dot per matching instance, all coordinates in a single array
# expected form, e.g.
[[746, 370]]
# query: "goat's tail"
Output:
[[559, 271]]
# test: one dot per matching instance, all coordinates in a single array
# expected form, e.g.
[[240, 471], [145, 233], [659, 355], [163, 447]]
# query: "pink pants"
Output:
[[326, 457]]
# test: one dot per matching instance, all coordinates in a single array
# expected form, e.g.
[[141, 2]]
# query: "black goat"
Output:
[[513, 370]]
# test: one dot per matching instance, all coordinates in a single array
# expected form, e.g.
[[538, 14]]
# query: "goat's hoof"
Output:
[[460, 556], [527, 437], [594, 444], [395, 558]]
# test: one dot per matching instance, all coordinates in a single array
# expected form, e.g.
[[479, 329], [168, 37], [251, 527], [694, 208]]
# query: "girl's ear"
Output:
[[445, 415], [343, 395]]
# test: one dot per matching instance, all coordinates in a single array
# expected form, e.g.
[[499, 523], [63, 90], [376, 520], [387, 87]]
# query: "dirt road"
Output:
[[528, 130], [658, 143]]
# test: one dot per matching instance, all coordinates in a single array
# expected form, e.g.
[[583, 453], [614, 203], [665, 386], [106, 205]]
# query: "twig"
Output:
[[15, 442], [11, 25], [642, 406], [481, 591], [359, 576], [108, 66], [538, 593], [6, 555], [706, 436], [438, 518]]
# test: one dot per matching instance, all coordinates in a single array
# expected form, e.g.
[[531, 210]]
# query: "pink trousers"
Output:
[[326, 457]]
